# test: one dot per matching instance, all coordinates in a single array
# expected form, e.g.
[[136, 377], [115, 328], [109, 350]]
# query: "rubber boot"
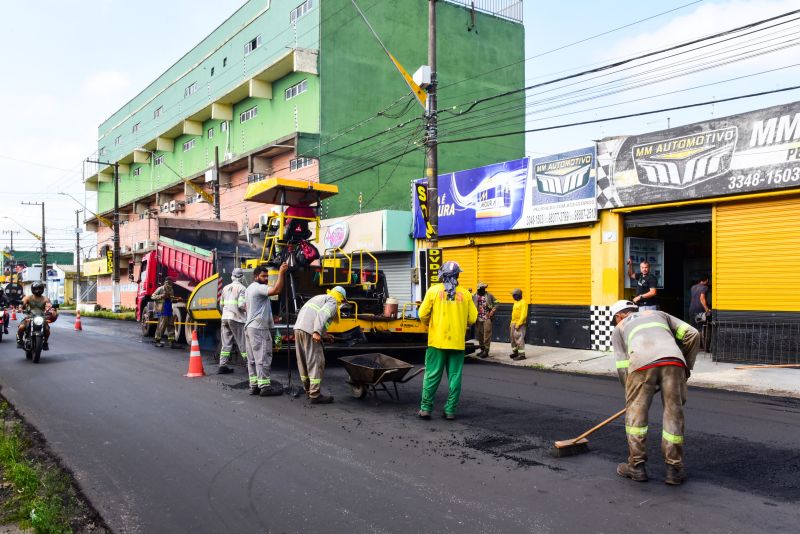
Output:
[[634, 472], [675, 475]]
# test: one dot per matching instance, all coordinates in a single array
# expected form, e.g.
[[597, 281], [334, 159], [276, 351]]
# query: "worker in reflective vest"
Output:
[[233, 318], [654, 351], [164, 298]]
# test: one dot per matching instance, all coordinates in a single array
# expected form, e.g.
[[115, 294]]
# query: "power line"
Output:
[[628, 116]]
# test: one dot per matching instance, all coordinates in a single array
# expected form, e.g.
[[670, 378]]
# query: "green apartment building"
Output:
[[302, 89]]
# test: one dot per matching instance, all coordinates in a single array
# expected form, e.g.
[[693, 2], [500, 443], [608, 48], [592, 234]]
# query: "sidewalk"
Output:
[[706, 373]]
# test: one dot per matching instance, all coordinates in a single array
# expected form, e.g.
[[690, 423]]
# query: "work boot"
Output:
[[634, 472], [518, 357], [158, 343], [449, 416], [254, 390], [424, 414], [224, 370], [45, 346], [321, 399], [513, 356], [272, 390], [675, 475], [483, 355]]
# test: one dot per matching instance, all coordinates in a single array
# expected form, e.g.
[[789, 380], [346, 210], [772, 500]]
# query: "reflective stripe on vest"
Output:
[[680, 333], [645, 326]]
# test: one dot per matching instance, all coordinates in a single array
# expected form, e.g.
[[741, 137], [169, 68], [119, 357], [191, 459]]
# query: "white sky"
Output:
[[69, 64]]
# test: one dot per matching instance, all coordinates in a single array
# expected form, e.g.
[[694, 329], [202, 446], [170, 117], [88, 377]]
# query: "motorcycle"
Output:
[[33, 338], [4, 322]]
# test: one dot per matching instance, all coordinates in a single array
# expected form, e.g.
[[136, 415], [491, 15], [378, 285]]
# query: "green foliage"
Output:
[[122, 316]]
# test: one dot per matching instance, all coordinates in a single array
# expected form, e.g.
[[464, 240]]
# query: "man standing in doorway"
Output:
[[164, 297], [487, 306], [654, 351], [233, 302], [700, 310], [646, 284], [258, 337], [448, 311]]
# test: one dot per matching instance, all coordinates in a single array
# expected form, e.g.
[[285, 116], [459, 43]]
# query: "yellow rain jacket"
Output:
[[519, 313], [447, 320]]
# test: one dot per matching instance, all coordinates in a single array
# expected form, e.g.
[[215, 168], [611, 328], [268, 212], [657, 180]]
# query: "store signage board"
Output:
[[562, 189], [754, 151], [514, 195]]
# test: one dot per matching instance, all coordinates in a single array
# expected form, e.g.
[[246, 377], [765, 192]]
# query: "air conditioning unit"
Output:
[[177, 205], [146, 245], [124, 250], [263, 219], [227, 156], [139, 245], [143, 216], [165, 207]]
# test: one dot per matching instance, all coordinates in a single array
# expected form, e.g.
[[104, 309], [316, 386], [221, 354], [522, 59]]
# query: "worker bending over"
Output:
[[654, 351]]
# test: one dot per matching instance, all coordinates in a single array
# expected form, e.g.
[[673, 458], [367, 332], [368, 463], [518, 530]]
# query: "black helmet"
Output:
[[37, 288]]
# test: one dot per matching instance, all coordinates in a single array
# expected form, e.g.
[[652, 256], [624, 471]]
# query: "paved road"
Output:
[[157, 452]]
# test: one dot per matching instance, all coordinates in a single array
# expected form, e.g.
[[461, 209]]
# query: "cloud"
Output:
[[106, 83]]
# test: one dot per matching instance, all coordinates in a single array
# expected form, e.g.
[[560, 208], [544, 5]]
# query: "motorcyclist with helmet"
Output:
[[35, 305], [4, 302]]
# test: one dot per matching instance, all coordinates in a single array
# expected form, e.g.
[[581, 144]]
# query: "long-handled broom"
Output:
[[579, 445]]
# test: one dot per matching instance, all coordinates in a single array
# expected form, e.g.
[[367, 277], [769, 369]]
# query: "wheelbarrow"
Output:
[[370, 373]]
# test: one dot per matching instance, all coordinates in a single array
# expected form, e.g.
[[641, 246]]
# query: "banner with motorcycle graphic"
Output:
[[514, 195], [754, 151]]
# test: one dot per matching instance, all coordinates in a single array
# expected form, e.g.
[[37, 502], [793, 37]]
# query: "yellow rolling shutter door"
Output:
[[756, 253], [467, 259], [561, 272], [504, 267]]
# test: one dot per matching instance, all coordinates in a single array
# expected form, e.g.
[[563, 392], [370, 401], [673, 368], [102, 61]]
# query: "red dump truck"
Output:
[[188, 251]]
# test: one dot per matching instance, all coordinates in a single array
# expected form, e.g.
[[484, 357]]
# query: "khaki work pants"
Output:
[[517, 336], [483, 333], [232, 332], [310, 362], [640, 386], [166, 325], [259, 356]]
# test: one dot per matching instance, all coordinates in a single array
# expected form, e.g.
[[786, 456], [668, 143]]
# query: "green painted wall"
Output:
[[358, 80], [397, 228]]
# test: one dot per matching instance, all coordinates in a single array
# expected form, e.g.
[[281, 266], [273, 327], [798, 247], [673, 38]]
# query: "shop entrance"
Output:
[[677, 244]]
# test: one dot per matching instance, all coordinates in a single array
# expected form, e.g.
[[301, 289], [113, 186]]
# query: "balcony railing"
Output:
[[507, 9]]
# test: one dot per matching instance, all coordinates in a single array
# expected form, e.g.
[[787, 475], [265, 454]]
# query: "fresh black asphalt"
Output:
[[157, 452]]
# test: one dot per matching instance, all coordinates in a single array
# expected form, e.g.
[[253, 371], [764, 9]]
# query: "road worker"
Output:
[[654, 351], [310, 328], [233, 302], [486, 304], [164, 297], [519, 322], [448, 310], [258, 338]]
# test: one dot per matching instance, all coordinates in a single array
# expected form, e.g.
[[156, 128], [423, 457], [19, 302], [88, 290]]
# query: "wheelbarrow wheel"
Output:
[[358, 391]]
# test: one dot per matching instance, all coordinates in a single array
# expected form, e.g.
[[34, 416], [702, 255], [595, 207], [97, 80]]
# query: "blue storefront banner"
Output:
[[486, 199]]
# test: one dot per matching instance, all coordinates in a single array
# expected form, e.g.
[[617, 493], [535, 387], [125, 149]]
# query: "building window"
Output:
[[210, 133], [137, 171], [159, 160], [253, 178], [299, 163], [188, 145], [296, 89], [192, 89], [158, 111], [118, 140], [245, 116], [223, 126], [252, 45], [136, 127], [301, 10]]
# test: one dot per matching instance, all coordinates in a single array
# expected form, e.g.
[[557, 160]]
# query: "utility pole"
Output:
[[432, 131], [44, 245], [11, 262], [78, 259], [115, 299], [217, 211]]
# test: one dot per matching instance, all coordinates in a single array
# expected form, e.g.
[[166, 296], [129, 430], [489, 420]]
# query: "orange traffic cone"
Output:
[[78, 320], [13, 314], [195, 359]]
